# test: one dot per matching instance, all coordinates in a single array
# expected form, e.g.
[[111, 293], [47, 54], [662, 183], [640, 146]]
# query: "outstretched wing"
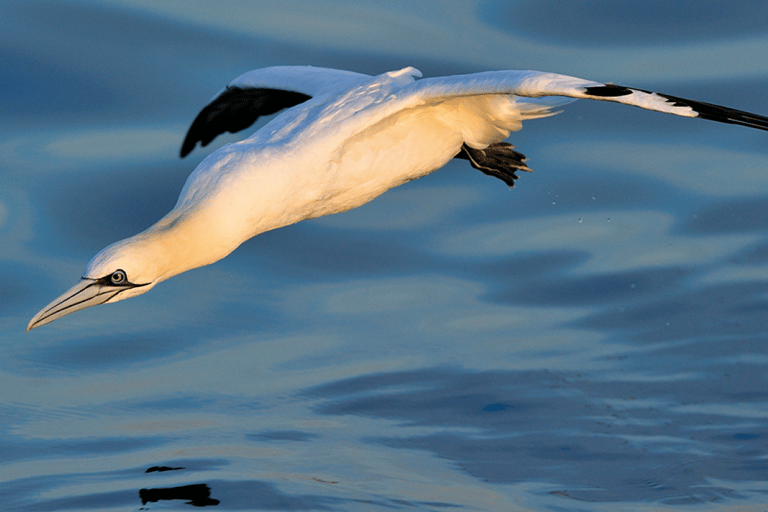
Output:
[[263, 92], [535, 84], [425, 123]]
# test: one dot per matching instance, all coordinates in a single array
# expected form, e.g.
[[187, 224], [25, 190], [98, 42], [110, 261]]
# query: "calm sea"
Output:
[[595, 339]]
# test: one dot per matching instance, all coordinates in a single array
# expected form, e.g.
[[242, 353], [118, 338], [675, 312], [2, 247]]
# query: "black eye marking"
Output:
[[118, 277]]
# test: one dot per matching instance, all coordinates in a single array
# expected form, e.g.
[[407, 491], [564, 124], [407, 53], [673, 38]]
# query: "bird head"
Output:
[[122, 270], [184, 239]]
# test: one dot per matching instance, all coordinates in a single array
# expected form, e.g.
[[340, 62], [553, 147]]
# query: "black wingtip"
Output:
[[201, 128], [703, 110], [608, 91], [235, 109], [187, 146], [719, 113]]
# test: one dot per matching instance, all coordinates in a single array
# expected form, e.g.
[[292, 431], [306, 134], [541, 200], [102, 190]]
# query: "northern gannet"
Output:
[[342, 139]]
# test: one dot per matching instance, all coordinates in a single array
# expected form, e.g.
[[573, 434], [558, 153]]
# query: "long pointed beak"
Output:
[[88, 292]]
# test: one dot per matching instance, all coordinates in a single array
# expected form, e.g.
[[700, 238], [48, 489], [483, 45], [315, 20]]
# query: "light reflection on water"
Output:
[[594, 338]]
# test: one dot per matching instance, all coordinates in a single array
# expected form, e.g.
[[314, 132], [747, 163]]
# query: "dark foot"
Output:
[[499, 160]]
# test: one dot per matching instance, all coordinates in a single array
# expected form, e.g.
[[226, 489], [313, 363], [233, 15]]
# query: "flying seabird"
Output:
[[341, 140]]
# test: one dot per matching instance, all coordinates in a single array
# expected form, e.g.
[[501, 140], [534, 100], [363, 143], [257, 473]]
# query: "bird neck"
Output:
[[179, 243]]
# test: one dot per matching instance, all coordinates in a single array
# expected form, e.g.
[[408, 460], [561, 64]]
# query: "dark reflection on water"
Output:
[[240, 495], [162, 469], [601, 440], [197, 495]]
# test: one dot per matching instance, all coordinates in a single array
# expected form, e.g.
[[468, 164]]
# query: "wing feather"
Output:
[[263, 92], [536, 84]]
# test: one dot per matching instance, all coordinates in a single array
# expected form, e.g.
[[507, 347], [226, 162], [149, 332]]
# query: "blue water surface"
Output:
[[594, 339]]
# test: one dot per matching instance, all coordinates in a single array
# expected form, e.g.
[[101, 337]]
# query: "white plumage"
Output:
[[343, 139]]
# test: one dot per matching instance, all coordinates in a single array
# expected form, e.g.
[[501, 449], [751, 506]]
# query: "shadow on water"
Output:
[[235, 495], [198, 495]]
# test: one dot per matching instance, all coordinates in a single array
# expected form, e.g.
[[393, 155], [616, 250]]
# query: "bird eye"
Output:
[[118, 277]]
